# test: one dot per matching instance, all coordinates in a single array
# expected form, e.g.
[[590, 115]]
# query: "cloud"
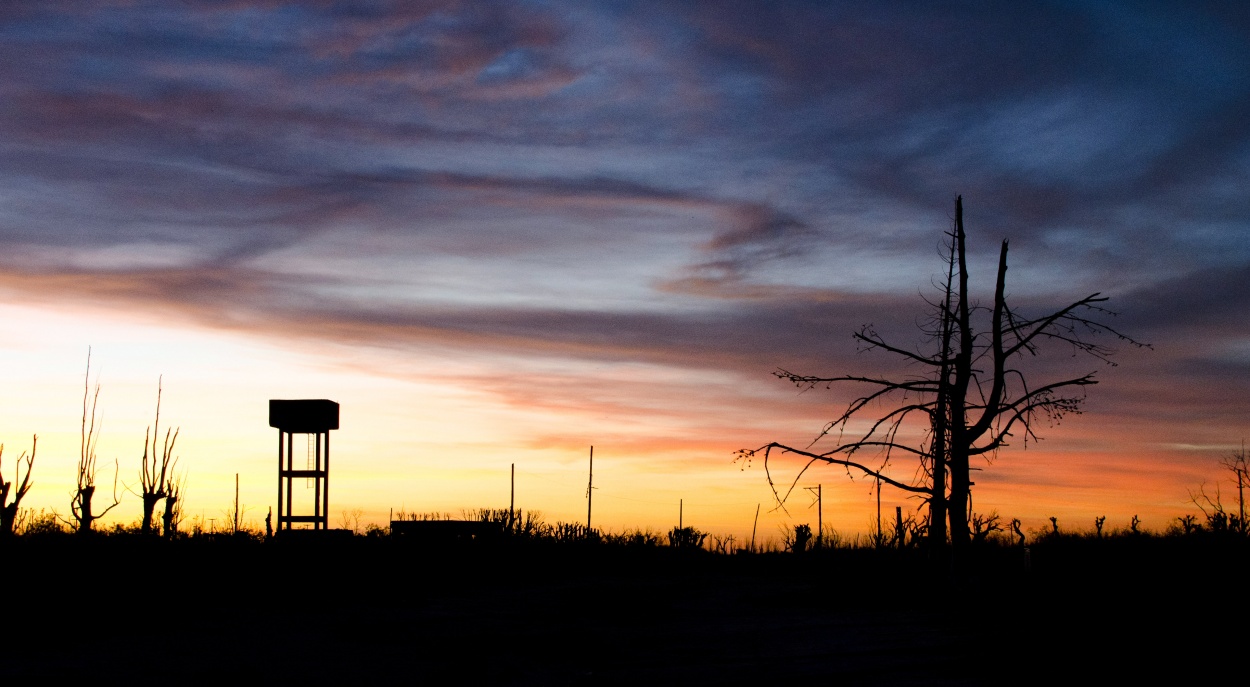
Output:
[[711, 190], [756, 235]]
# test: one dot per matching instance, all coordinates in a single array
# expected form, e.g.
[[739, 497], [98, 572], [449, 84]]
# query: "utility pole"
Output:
[[879, 511], [820, 516], [755, 525], [512, 499], [590, 485], [681, 508]]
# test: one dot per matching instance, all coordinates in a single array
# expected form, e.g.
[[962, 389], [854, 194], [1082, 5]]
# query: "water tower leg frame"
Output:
[[320, 474]]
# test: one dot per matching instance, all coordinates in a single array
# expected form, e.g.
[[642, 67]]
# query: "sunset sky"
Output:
[[500, 233]]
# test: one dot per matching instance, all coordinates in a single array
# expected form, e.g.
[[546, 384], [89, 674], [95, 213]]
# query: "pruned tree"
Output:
[[156, 470], [972, 396], [1015, 528], [83, 517], [9, 510], [175, 485]]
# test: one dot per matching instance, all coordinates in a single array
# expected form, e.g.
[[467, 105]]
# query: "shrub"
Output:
[[41, 524], [573, 532], [686, 538], [633, 539]]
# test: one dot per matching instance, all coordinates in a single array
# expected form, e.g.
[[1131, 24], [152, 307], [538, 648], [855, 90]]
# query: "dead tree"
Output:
[[83, 517], [1015, 527], [1212, 509], [1236, 464], [985, 525], [972, 395], [174, 487], [156, 470], [9, 511]]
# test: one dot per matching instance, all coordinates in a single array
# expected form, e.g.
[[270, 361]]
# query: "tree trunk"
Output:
[[6, 518], [958, 449], [85, 518], [8, 515], [963, 434], [167, 520], [149, 507], [937, 498], [939, 420]]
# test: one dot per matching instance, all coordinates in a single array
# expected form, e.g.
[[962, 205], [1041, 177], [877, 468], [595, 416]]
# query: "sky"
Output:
[[499, 233]]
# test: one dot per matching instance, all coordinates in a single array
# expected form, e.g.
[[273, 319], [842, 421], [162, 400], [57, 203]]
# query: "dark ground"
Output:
[[383, 612]]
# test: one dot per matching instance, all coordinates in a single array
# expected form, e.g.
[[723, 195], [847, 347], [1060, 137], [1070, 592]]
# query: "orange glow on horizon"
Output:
[[441, 445]]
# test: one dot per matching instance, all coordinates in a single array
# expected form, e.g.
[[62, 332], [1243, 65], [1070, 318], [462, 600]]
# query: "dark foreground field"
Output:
[[384, 612]]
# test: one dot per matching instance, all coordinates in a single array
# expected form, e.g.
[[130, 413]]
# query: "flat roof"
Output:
[[304, 416]]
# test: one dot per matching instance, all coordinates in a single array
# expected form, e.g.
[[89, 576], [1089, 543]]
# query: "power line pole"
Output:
[[755, 525], [820, 516], [512, 499], [681, 512], [590, 485]]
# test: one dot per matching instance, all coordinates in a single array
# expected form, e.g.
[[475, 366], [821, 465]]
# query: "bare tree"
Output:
[[985, 525], [1236, 464], [350, 519], [1015, 528], [9, 511], [175, 485], [81, 505], [1212, 509], [971, 398], [156, 470]]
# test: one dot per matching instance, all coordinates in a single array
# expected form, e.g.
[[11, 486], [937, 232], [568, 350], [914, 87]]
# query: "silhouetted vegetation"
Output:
[[972, 395], [1216, 516], [156, 472], [81, 506], [512, 568], [9, 510], [601, 606], [175, 487], [686, 538]]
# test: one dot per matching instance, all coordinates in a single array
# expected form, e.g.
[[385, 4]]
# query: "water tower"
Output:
[[314, 417]]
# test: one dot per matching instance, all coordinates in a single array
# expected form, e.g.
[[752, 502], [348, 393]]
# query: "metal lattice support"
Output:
[[315, 417]]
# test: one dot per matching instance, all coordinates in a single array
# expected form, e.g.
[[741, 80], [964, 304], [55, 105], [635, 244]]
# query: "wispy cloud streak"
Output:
[[725, 187]]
